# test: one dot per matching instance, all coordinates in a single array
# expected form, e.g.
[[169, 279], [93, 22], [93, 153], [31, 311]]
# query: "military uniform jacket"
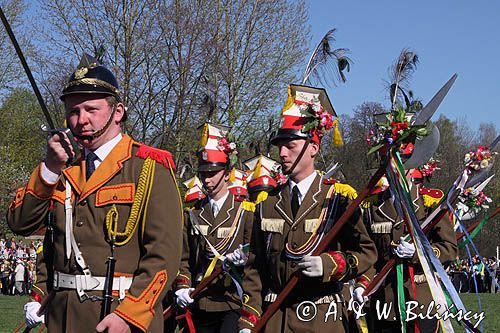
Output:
[[348, 256], [221, 295], [151, 256], [386, 226]]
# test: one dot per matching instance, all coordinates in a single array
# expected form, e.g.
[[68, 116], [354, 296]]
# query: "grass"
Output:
[[11, 310]]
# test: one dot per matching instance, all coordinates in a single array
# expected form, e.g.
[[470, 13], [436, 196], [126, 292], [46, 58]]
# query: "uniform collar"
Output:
[[303, 185], [103, 151]]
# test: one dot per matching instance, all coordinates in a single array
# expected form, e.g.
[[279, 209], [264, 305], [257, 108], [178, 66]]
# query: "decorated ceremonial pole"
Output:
[[329, 237], [475, 224]]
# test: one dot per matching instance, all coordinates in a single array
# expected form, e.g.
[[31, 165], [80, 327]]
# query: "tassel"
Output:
[[337, 137], [248, 206], [346, 191], [289, 101], [262, 196]]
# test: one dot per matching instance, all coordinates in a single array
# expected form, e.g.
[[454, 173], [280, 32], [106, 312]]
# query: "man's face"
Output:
[[87, 114], [289, 151], [214, 181]]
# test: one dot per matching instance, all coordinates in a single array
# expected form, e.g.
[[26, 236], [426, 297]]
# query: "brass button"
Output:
[[293, 264], [79, 223], [83, 203], [294, 245], [294, 228], [115, 197]]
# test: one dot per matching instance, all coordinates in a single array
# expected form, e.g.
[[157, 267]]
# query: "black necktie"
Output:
[[90, 159], [295, 200]]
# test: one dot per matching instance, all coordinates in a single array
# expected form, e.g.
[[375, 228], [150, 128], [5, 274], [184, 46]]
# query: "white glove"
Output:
[[312, 266], [245, 330], [357, 295], [30, 316], [238, 257], [404, 250], [183, 299]]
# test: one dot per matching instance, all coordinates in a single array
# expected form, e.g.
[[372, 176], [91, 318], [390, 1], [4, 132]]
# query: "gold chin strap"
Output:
[[138, 210]]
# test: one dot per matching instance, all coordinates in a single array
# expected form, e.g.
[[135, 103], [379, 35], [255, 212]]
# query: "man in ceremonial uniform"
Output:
[[291, 222], [217, 228], [387, 229], [118, 199]]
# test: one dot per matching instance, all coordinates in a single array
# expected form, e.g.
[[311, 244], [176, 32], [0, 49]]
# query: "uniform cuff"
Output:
[[139, 311]]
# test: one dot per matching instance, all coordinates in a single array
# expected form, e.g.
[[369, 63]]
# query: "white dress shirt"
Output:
[[303, 185], [102, 152], [216, 205]]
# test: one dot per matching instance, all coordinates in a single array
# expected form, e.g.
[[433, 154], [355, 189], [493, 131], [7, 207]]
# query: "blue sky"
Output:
[[460, 37]]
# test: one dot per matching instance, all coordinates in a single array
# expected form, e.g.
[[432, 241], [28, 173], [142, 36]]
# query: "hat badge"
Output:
[[80, 73]]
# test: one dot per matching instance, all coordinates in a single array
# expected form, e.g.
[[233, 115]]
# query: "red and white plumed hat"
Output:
[[237, 184], [217, 150], [194, 190], [307, 113], [264, 174]]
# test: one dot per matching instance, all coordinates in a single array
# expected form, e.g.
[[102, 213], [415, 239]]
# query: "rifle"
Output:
[[329, 237]]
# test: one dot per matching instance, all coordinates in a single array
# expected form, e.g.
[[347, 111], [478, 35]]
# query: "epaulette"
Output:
[[345, 190], [431, 196], [239, 198], [161, 156], [329, 181], [39, 249], [248, 206]]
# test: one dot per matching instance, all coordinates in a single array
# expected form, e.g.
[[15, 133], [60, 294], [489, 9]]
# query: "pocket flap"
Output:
[[310, 225], [223, 232], [272, 225], [121, 193]]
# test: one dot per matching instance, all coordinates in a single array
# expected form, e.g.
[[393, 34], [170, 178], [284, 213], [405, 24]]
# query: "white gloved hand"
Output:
[[404, 250], [238, 257], [245, 330], [183, 299], [312, 266], [357, 295], [30, 316]]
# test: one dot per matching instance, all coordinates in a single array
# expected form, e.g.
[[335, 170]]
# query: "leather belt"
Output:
[[85, 283]]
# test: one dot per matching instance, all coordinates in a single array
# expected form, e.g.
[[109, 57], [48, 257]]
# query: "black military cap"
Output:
[[91, 78]]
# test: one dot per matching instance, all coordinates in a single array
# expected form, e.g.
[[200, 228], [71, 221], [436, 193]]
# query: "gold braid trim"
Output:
[[96, 82], [142, 194]]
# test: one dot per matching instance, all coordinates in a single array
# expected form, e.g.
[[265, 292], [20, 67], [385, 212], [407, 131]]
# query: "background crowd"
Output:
[[465, 275], [17, 266]]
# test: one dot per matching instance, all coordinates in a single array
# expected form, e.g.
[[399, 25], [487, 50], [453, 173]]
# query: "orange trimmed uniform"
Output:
[[350, 254], [151, 257]]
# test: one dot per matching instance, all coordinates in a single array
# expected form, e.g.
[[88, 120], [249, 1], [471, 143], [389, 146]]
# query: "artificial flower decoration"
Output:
[[228, 145], [395, 131], [471, 201], [320, 121], [479, 159], [428, 168]]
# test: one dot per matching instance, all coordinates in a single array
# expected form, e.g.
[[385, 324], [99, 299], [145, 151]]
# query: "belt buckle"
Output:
[[55, 280]]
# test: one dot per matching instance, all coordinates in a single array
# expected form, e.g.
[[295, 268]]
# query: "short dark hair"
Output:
[[113, 102]]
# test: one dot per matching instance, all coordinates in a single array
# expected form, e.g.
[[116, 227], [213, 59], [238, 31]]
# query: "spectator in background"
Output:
[[19, 277]]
